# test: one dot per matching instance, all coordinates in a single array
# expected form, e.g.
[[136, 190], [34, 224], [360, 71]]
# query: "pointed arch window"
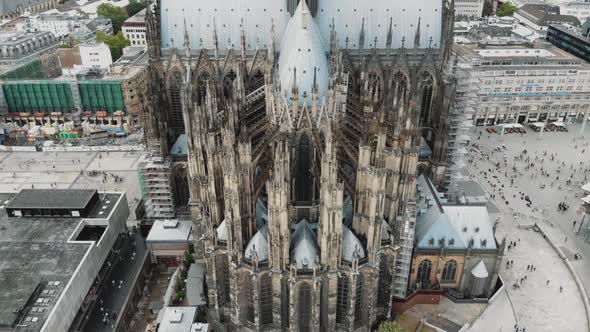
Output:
[[424, 270], [385, 280], [342, 300], [176, 117], [400, 85], [358, 301], [426, 104], [304, 308], [228, 82], [246, 299], [222, 280], [265, 300], [202, 82], [375, 85], [449, 271], [256, 81]]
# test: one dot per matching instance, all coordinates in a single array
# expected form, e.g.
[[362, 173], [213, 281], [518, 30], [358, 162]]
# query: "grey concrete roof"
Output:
[[177, 319], [170, 231], [35, 253], [52, 198]]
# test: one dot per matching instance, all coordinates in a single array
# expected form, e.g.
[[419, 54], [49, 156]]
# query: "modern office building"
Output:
[[528, 83], [58, 251], [570, 39]]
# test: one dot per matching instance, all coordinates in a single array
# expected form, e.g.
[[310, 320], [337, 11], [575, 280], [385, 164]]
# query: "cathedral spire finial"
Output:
[[362, 35], [294, 90], [242, 39], [389, 33], [215, 39], [187, 42], [315, 80], [417, 37]]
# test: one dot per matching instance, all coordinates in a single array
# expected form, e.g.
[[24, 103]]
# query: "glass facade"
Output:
[[569, 42]]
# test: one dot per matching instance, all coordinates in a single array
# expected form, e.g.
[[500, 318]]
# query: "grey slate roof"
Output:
[[10, 6], [456, 225]]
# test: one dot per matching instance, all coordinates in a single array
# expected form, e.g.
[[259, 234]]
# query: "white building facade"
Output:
[[525, 85], [134, 29], [468, 8], [95, 56]]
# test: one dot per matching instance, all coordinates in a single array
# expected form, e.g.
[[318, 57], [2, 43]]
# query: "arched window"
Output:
[[400, 86], [358, 301], [181, 189], [222, 278], [342, 300], [202, 88], [256, 81], [304, 308], [228, 82], [303, 177], [246, 299], [375, 85], [424, 270], [449, 271], [176, 118], [265, 300], [385, 280], [426, 103]]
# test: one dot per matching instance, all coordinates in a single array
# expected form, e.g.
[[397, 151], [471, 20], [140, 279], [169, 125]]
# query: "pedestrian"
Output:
[[561, 289], [565, 240], [548, 282], [528, 267]]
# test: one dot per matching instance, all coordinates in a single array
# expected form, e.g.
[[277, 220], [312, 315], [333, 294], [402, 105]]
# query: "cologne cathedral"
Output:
[[304, 124]]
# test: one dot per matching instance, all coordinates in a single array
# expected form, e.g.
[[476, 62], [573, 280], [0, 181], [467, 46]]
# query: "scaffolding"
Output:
[[461, 119], [405, 240], [39, 96], [98, 95], [156, 187]]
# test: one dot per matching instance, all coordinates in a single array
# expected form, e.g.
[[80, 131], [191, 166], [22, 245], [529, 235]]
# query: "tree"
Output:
[[391, 326], [487, 8], [116, 43], [506, 9], [135, 6], [117, 15]]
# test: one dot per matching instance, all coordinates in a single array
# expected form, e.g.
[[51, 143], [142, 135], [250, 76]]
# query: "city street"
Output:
[[551, 172]]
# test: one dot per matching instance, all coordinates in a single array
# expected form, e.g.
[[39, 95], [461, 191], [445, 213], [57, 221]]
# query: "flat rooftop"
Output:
[[52, 199], [36, 259], [539, 52]]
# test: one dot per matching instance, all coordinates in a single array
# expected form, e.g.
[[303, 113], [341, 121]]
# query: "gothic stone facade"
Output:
[[302, 151]]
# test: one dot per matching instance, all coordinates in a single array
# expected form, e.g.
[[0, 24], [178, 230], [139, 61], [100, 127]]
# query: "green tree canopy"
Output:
[[391, 326], [506, 9], [135, 6], [117, 15], [116, 43]]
